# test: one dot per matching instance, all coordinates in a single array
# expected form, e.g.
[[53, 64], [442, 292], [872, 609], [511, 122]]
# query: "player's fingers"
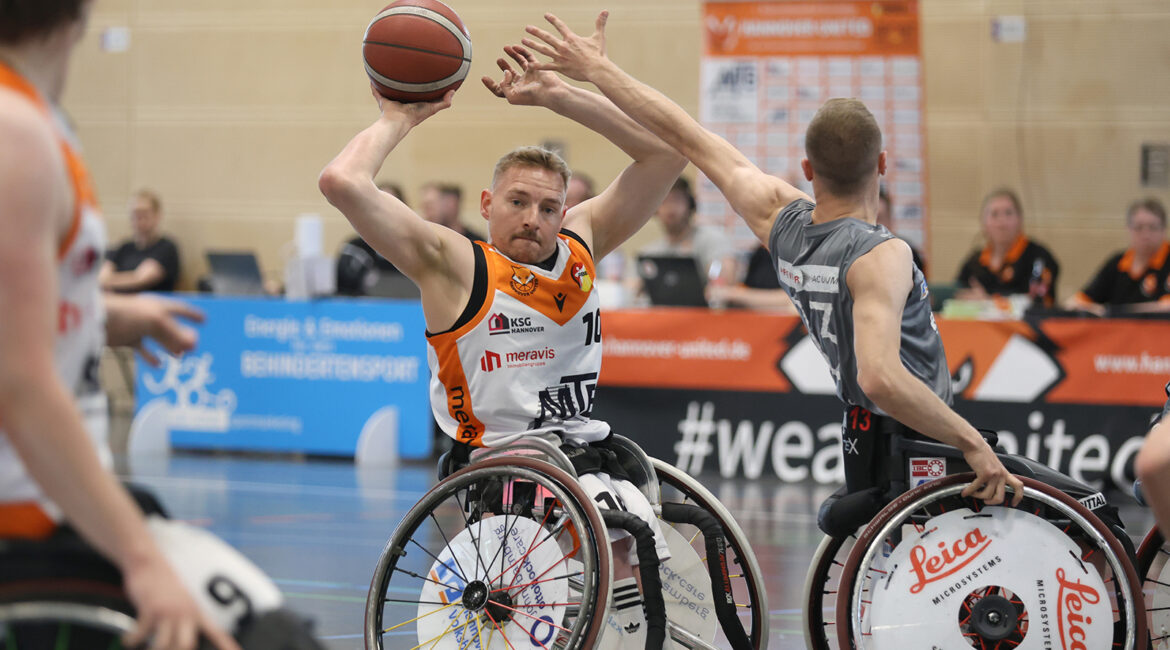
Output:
[[971, 488], [529, 57], [997, 496], [559, 24], [602, 18], [186, 635], [542, 35], [163, 636], [219, 639], [138, 635], [516, 56], [492, 86], [503, 64], [1017, 489], [149, 357], [540, 48], [184, 310]]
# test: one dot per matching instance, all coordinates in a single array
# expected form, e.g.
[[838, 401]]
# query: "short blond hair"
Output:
[[532, 156]]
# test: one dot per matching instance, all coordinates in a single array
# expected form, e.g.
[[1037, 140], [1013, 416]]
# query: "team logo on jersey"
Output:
[[560, 300], [491, 361], [85, 262], [581, 276], [524, 282], [500, 323], [1149, 285]]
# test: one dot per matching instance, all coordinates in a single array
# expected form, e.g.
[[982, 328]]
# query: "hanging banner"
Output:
[[768, 66]]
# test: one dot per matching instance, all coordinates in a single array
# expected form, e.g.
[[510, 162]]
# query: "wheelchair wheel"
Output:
[[820, 592], [1154, 570], [503, 553], [935, 569], [739, 602], [63, 614]]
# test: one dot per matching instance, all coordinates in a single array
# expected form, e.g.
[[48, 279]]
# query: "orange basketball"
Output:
[[416, 50]]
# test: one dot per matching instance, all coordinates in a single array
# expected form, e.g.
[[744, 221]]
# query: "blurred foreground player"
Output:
[[55, 480]]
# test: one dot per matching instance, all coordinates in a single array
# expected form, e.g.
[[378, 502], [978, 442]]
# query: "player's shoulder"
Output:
[[26, 132]]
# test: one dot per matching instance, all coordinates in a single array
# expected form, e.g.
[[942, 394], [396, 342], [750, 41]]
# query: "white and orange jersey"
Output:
[[525, 356], [80, 324]]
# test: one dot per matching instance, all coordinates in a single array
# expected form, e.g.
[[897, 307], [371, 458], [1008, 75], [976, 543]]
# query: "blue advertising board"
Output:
[[329, 376]]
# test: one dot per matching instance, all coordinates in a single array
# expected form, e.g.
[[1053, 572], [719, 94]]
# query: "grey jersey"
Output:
[[812, 262]]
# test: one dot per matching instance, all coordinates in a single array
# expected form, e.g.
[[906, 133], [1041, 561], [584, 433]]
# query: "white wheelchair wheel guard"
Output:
[[962, 581], [470, 606], [551, 528], [1051, 592]]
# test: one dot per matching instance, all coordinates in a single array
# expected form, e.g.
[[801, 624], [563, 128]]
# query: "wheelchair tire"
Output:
[[747, 590], [561, 498], [67, 613], [1154, 569], [820, 591], [993, 601]]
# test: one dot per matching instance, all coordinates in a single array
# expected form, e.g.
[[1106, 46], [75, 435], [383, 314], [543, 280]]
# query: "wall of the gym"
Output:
[[229, 109]]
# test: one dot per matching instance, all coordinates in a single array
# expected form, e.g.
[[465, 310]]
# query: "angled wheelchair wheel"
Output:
[[935, 569], [1154, 570], [505, 553], [820, 592], [63, 615], [713, 552]]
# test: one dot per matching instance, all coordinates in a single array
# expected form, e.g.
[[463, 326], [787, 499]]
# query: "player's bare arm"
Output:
[[880, 282], [439, 260], [611, 217], [42, 422], [757, 197], [1153, 469]]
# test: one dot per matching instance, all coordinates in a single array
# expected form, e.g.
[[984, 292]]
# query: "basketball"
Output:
[[416, 50]]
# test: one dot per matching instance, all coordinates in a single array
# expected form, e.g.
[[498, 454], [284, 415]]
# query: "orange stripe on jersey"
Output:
[[558, 299], [24, 520], [83, 193], [457, 388]]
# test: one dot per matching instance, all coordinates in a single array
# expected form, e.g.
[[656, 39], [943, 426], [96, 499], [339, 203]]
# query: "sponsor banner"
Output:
[[321, 377], [768, 66], [1057, 360], [796, 437]]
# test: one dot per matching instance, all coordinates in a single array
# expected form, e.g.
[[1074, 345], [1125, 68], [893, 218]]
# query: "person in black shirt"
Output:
[[1138, 275], [1010, 263], [148, 261]]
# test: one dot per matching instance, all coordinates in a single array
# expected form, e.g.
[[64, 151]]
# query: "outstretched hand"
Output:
[[415, 112], [571, 55], [529, 86]]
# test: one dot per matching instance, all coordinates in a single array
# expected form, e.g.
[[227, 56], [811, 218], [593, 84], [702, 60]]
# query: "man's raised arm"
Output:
[[757, 197]]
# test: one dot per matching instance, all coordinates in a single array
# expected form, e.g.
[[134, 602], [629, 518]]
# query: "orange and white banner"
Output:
[[768, 66], [1066, 361]]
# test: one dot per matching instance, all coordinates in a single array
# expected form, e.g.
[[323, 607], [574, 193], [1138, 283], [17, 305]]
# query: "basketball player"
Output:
[[862, 299], [1153, 468], [514, 326], [53, 455]]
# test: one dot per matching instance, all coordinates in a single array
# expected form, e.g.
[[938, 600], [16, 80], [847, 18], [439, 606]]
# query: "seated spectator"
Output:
[[357, 260], [1010, 263], [440, 203], [682, 237], [885, 217], [148, 261], [1140, 273], [580, 189]]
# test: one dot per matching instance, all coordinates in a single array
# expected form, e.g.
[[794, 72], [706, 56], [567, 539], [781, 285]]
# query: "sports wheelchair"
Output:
[[510, 552], [929, 568]]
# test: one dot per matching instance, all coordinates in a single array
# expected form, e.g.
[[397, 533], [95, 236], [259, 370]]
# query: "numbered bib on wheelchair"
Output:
[[500, 583], [1001, 574], [227, 586]]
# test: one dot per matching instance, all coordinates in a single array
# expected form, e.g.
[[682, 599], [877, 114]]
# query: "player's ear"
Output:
[[806, 167], [485, 203], [882, 163]]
